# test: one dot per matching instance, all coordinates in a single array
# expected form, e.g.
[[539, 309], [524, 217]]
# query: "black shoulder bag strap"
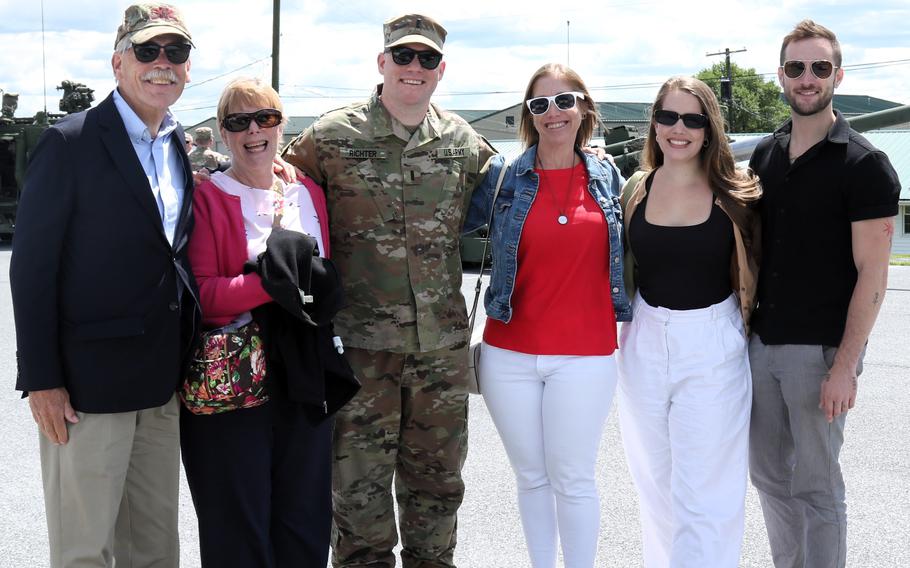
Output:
[[486, 244]]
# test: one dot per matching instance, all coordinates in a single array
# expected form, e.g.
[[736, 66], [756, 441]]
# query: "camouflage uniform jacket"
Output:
[[206, 158], [396, 202]]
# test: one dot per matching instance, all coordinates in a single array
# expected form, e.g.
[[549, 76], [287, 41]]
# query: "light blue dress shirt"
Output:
[[160, 159]]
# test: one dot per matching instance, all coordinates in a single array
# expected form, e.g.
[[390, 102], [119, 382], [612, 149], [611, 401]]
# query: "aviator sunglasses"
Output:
[[821, 68], [404, 55], [563, 101], [240, 121], [176, 53], [671, 117]]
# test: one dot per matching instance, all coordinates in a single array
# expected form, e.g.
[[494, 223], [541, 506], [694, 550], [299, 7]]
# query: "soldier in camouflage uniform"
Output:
[[398, 174], [203, 156]]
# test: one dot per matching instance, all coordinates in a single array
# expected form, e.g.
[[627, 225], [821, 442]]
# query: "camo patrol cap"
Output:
[[414, 28], [202, 135], [142, 22]]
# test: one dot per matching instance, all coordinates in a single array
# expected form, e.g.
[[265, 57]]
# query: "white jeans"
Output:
[[685, 395], [550, 412]]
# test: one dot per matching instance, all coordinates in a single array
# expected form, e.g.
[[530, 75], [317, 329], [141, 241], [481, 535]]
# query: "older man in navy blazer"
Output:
[[105, 304]]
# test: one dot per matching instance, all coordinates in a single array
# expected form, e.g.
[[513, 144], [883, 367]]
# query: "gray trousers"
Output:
[[793, 455], [110, 492]]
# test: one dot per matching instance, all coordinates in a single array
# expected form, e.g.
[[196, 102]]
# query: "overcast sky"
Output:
[[623, 49]]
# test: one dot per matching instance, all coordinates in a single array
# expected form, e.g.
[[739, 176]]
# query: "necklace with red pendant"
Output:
[[562, 219]]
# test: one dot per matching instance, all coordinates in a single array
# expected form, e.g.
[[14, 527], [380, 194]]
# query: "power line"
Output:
[[209, 80]]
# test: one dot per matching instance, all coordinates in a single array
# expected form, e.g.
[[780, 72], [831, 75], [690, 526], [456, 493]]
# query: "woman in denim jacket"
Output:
[[556, 292]]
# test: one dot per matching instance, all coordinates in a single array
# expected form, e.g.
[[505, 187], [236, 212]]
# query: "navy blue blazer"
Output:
[[93, 277]]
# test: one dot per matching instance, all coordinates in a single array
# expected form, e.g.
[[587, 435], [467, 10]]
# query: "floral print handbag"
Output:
[[227, 372]]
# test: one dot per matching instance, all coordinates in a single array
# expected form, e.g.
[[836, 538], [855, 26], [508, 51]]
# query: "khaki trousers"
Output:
[[111, 491]]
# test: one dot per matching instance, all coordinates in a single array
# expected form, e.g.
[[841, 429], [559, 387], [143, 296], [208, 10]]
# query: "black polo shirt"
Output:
[[807, 270]]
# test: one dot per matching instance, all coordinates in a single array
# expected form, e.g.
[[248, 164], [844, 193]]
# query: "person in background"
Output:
[[398, 173], [203, 155], [828, 220], [188, 142], [105, 304], [547, 368], [684, 385]]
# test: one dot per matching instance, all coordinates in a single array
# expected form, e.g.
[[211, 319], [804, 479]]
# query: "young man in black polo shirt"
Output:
[[827, 213]]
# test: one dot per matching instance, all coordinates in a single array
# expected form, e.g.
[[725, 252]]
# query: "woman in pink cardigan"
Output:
[[260, 476]]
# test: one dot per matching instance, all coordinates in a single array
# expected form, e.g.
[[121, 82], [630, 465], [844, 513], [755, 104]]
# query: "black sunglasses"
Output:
[[821, 68], [690, 119], [428, 59], [240, 121], [176, 53], [563, 101]]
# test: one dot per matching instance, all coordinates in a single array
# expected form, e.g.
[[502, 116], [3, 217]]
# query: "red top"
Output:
[[217, 253], [561, 303]]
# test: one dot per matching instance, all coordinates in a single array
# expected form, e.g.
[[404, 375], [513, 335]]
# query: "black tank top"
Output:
[[682, 268]]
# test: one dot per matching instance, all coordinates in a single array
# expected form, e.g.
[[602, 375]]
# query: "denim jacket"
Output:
[[519, 188]]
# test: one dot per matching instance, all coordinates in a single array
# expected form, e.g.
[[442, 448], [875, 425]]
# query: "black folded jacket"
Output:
[[297, 327]]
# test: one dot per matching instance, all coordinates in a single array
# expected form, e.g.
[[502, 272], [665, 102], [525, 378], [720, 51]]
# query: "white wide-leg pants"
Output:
[[685, 395], [550, 412]]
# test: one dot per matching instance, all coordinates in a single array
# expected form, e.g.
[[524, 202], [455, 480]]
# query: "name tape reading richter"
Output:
[[363, 153]]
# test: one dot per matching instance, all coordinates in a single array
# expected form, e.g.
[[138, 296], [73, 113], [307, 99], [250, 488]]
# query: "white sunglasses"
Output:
[[563, 101]]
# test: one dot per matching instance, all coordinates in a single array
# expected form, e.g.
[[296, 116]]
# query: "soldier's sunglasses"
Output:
[[428, 59], [240, 121], [690, 120], [176, 53], [563, 101], [795, 68]]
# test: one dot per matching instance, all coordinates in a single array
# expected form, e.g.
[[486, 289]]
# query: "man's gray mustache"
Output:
[[158, 74]]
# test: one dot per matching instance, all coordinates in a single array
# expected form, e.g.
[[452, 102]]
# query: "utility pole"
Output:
[[567, 43], [276, 35], [726, 84]]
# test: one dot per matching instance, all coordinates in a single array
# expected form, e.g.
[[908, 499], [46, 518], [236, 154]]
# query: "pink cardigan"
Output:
[[217, 253]]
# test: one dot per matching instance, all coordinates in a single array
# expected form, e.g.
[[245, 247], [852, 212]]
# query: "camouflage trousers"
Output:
[[408, 422]]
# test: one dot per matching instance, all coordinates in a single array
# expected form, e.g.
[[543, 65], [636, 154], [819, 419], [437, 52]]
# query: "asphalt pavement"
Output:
[[875, 460]]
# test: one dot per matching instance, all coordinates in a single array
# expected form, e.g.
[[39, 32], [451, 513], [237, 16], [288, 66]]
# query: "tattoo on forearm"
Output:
[[875, 299]]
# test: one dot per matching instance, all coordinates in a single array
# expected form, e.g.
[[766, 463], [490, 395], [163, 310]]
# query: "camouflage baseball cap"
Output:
[[142, 22], [414, 28], [202, 135]]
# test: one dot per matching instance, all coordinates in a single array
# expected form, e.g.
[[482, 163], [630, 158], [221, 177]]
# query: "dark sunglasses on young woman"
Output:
[[821, 68], [690, 119], [428, 59], [176, 53], [240, 121], [563, 101]]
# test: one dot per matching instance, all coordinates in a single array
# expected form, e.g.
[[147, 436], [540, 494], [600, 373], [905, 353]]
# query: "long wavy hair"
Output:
[[737, 188], [526, 131]]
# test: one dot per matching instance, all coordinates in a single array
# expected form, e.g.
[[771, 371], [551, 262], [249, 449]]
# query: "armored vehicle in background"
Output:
[[19, 136]]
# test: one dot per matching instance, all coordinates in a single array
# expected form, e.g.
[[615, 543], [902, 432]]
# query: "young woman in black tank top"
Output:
[[685, 385]]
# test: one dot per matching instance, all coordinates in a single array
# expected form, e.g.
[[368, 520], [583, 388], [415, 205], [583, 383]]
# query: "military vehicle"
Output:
[[19, 136], [625, 144]]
